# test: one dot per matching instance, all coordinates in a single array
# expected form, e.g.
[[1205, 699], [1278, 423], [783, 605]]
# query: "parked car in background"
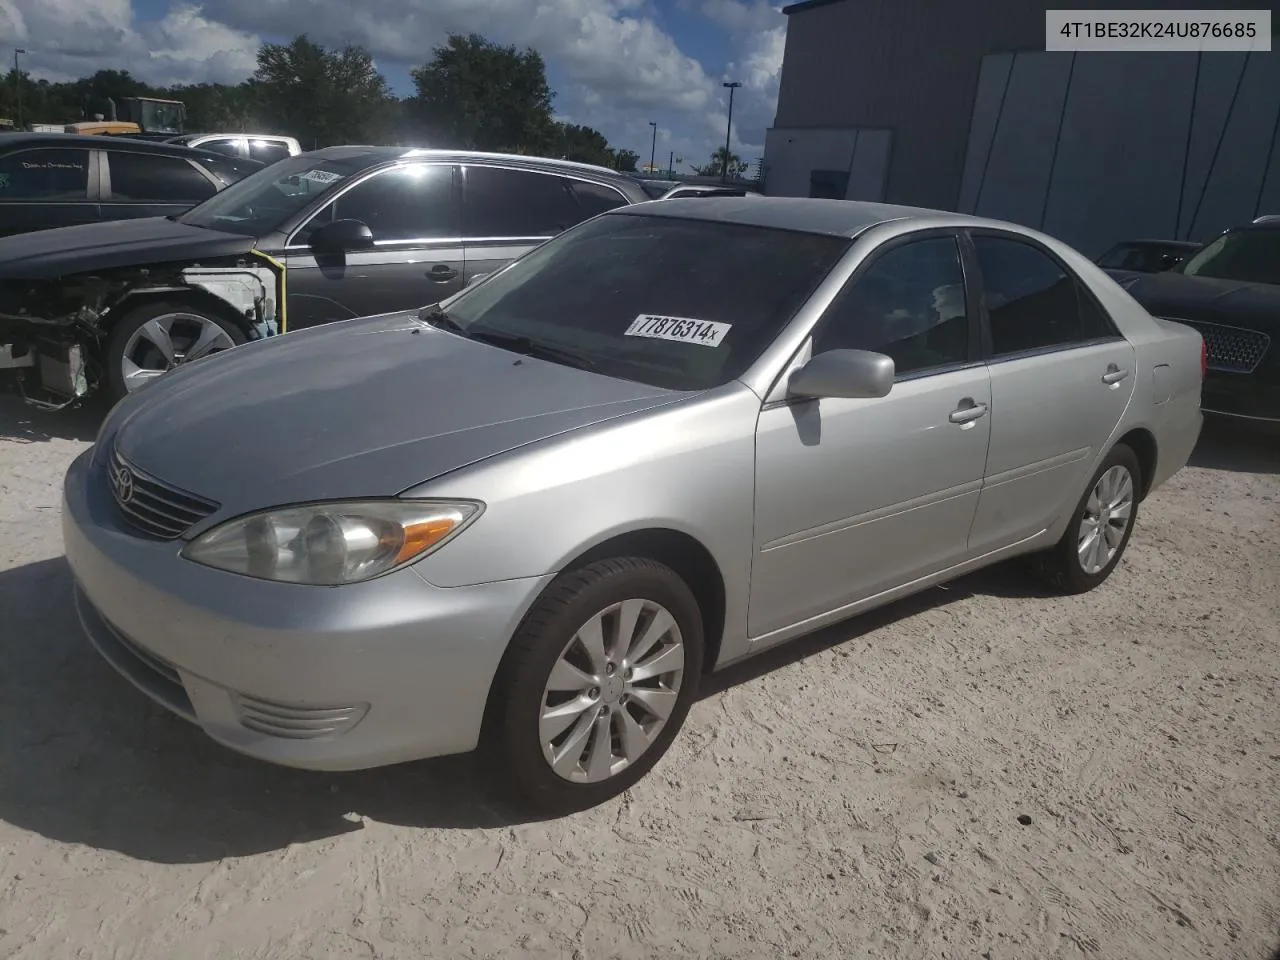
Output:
[[1147, 256], [1230, 292], [534, 516], [672, 189], [263, 147], [355, 230], [57, 180]]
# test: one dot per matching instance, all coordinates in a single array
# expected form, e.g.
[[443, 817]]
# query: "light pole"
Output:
[[724, 169], [17, 79], [653, 147]]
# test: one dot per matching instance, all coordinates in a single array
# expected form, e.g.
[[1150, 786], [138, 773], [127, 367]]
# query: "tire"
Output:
[[514, 739], [1061, 567], [185, 319]]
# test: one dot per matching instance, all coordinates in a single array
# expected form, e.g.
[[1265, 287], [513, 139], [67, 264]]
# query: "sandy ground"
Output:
[[855, 794]]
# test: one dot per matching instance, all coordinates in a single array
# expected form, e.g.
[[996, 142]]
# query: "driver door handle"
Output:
[[968, 411], [442, 273], [1113, 375]]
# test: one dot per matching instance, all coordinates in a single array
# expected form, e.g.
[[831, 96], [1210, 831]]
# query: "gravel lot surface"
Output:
[[978, 772]]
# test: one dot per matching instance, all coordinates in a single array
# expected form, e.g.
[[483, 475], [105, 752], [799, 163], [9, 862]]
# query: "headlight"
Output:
[[326, 544]]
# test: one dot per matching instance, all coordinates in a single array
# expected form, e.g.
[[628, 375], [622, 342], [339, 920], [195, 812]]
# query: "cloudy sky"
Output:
[[614, 64]]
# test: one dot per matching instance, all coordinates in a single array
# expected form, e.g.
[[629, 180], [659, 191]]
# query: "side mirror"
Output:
[[848, 374], [342, 236]]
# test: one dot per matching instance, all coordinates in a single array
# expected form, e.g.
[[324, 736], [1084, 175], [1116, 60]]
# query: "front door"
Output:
[[854, 497], [417, 258], [1061, 378]]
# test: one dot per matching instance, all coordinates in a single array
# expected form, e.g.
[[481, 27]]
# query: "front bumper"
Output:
[[324, 678]]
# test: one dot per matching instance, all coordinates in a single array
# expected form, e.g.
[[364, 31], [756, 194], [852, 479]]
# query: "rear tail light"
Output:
[[1204, 360]]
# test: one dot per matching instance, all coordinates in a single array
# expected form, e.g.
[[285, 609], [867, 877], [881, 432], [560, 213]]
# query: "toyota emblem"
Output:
[[124, 484]]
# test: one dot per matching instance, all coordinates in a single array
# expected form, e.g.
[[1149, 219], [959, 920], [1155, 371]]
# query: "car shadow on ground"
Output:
[[1239, 446], [84, 758], [22, 423]]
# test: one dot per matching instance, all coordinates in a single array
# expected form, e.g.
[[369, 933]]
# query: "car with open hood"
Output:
[[533, 516], [329, 235]]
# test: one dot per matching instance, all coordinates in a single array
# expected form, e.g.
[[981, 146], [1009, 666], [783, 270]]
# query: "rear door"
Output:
[[414, 212], [1061, 378], [151, 185], [42, 188], [508, 212]]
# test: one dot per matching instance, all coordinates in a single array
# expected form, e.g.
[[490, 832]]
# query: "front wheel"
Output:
[[596, 683], [154, 338], [1099, 529]]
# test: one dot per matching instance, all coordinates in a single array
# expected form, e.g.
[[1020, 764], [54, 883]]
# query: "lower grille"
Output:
[[149, 659], [154, 507], [1231, 349], [294, 722]]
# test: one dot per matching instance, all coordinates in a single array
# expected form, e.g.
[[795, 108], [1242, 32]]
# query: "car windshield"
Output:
[[676, 303], [1252, 256], [263, 201]]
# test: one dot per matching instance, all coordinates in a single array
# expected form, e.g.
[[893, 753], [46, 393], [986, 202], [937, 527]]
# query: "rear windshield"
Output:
[[1252, 256], [675, 303]]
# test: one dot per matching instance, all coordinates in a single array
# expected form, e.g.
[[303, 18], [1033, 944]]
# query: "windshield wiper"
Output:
[[533, 348], [437, 317]]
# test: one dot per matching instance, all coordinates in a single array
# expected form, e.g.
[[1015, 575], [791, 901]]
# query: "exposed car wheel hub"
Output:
[[611, 691], [1106, 517], [167, 341]]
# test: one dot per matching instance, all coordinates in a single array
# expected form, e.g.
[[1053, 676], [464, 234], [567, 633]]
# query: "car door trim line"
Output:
[[1040, 466], [883, 513]]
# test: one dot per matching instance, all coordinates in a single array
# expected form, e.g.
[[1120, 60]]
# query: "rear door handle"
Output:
[[442, 273], [1113, 375], [968, 411]]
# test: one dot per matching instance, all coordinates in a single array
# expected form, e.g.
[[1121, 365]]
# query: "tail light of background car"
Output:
[[1204, 359]]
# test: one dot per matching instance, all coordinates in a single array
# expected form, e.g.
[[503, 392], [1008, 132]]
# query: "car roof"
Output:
[[102, 142], [377, 154], [839, 218]]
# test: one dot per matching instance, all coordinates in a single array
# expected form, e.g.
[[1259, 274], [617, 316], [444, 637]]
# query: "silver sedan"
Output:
[[531, 518]]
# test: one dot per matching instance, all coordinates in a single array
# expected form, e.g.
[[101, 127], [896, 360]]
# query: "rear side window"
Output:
[[517, 203], [594, 198], [404, 203], [45, 175], [140, 177], [267, 151], [1032, 302], [229, 147]]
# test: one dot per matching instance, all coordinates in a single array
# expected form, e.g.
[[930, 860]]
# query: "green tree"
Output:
[[715, 167], [322, 97], [476, 95], [582, 144], [626, 160]]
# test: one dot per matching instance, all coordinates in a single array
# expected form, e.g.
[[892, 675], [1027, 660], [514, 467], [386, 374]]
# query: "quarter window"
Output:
[[594, 198], [153, 179], [1032, 302], [404, 203], [909, 304], [518, 203], [45, 175]]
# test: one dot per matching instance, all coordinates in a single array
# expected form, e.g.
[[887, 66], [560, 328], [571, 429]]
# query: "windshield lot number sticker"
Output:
[[708, 333]]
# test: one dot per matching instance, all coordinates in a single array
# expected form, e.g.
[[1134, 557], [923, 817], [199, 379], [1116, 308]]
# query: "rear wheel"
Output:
[[156, 337], [596, 683], [1100, 527]]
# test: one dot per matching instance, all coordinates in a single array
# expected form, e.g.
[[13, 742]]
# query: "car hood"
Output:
[[1204, 299], [362, 408], [63, 251]]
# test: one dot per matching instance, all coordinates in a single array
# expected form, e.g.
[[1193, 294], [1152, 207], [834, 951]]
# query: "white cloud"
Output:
[[616, 67], [65, 39]]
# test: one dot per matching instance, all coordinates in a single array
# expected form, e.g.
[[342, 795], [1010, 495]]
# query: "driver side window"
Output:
[[405, 203], [909, 303]]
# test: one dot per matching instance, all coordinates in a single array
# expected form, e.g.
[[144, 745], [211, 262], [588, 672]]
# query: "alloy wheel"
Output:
[[168, 341], [1107, 514]]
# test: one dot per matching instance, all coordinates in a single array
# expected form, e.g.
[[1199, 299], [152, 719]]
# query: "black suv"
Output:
[[329, 235], [59, 180]]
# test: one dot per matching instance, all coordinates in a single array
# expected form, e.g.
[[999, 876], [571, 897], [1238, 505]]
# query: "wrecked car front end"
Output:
[[55, 332]]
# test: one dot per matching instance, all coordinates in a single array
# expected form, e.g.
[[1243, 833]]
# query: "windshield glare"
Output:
[[263, 201], [1252, 256], [680, 304]]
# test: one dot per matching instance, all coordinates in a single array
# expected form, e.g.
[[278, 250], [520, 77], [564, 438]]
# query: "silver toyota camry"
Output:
[[532, 517]]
